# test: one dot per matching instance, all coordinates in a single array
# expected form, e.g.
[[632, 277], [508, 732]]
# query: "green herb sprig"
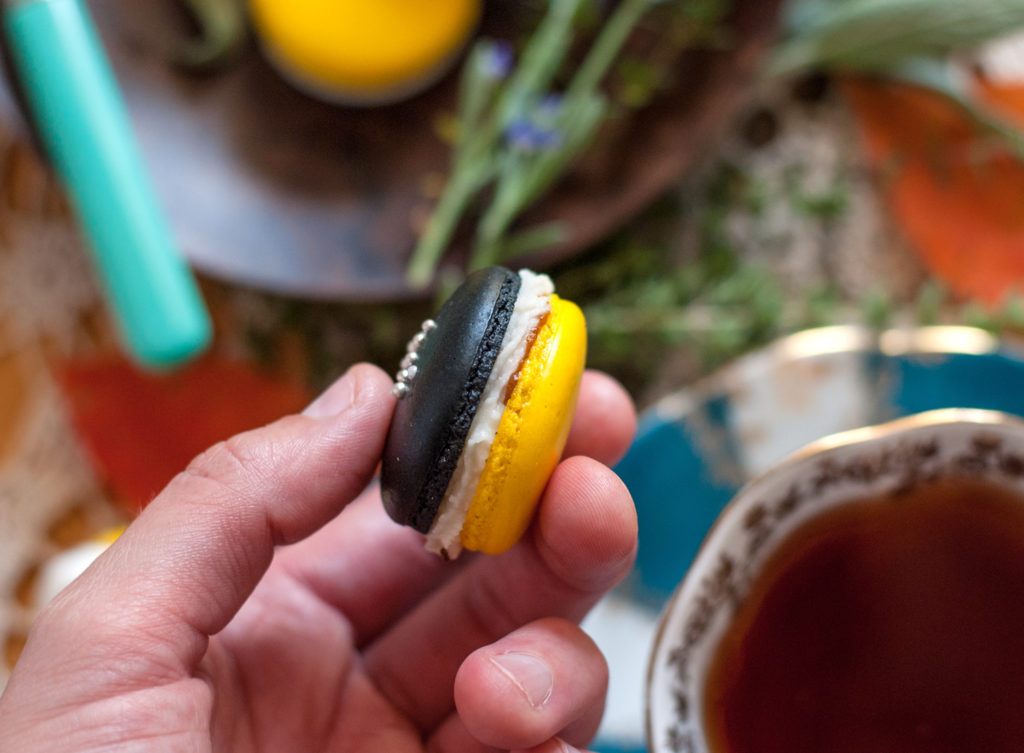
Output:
[[878, 35], [516, 137]]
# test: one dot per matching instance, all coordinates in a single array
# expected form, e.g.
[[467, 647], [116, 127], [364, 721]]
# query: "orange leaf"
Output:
[[1005, 99], [957, 195], [141, 429]]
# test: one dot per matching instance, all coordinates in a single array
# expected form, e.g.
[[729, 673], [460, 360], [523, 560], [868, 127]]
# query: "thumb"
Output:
[[554, 745], [191, 559]]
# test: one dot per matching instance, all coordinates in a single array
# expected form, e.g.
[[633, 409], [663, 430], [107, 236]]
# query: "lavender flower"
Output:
[[528, 136], [538, 131], [496, 59], [549, 108]]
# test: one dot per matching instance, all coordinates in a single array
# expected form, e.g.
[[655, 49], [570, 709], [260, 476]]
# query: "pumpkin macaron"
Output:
[[486, 394]]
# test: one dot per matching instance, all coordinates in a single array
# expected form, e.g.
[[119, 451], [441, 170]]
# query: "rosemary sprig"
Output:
[[516, 137]]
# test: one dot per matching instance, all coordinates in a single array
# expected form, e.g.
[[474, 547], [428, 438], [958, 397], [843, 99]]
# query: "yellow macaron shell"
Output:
[[532, 433], [363, 49]]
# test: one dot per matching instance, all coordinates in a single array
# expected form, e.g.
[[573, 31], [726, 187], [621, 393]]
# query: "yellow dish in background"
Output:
[[363, 51]]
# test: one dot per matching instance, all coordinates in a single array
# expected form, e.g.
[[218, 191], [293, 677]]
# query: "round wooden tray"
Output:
[[268, 188]]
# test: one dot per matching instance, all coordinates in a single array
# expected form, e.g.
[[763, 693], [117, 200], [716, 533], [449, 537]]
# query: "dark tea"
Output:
[[890, 624]]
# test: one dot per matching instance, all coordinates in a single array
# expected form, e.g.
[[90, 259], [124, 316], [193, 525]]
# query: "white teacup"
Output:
[[878, 462]]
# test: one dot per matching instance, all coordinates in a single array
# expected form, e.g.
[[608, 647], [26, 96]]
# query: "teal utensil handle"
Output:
[[83, 123]]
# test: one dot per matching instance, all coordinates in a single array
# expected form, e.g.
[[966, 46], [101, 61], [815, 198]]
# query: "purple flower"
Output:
[[529, 136], [549, 108], [496, 59], [537, 130]]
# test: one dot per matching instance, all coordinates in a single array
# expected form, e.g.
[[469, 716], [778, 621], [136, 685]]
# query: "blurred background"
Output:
[[704, 177]]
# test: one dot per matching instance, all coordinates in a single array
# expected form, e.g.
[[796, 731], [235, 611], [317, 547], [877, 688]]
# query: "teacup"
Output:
[[871, 585]]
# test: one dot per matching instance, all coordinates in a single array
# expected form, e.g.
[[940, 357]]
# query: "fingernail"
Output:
[[528, 673], [554, 745], [335, 399]]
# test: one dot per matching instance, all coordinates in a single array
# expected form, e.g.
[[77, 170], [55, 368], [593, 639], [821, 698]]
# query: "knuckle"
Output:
[[232, 465], [389, 680], [487, 606]]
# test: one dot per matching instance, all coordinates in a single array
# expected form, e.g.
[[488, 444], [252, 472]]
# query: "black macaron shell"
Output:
[[430, 424]]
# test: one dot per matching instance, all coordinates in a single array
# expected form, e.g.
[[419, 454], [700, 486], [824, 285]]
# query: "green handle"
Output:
[[84, 125]]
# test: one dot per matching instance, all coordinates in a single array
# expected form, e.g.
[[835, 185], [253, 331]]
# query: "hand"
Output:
[[242, 612]]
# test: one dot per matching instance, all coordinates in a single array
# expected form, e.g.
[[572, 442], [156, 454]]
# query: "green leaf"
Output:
[[534, 239], [540, 61], [878, 308], [578, 127], [872, 35], [222, 31], [477, 88], [606, 48]]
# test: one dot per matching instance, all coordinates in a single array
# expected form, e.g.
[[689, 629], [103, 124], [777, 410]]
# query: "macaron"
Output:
[[486, 395], [363, 51]]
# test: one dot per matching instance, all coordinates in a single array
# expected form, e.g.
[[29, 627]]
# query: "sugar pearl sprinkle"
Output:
[[408, 366]]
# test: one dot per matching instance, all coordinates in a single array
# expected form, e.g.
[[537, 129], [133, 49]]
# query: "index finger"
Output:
[[394, 570], [191, 559], [605, 420]]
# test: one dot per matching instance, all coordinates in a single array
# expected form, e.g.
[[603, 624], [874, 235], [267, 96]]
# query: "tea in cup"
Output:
[[865, 595]]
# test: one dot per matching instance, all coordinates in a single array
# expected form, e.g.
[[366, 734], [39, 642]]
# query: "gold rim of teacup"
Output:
[[835, 340]]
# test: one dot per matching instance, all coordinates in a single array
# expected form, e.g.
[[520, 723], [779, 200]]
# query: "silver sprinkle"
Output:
[[400, 390], [428, 325], [417, 341], [410, 373], [409, 360]]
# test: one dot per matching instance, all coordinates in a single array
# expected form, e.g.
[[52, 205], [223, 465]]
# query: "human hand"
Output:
[[242, 612]]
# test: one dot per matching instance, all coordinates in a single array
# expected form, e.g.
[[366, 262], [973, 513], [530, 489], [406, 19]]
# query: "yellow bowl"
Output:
[[363, 51]]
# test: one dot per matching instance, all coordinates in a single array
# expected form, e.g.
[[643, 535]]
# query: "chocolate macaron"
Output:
[[486, 396]]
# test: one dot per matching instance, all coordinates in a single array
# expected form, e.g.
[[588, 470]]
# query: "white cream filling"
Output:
[[531, 306]]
